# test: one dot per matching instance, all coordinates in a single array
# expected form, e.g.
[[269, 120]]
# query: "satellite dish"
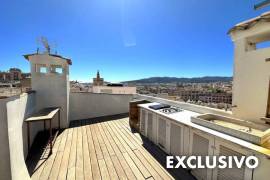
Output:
[[262, 4]]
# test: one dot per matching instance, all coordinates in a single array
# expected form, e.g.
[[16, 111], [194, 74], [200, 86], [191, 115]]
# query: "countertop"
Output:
[[184, 117]]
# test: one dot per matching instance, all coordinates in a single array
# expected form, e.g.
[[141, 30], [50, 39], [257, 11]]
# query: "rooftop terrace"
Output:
[[102, 148]]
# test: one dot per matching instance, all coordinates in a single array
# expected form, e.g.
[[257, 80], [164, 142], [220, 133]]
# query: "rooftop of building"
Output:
[[265, 17], [26, 56]]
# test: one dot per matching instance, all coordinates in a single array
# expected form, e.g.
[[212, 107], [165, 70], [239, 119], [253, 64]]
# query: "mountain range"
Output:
[[206, 79]]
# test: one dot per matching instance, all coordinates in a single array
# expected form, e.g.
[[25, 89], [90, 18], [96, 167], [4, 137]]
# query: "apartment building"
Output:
[[13, 74], [216, 98], [110, 88], [206, 97]]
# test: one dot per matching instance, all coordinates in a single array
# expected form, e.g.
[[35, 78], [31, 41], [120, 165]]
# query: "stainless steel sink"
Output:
[[256, 133]]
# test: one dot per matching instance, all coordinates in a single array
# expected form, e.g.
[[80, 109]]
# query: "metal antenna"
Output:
[[262, 4], [45, 43]]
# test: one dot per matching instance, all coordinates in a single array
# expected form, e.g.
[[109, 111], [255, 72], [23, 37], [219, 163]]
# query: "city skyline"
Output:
[[163, 79], [127, 40]]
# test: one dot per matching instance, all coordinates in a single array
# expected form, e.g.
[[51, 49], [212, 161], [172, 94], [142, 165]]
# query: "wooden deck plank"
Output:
[[71, 174], [93, 157], [106, 141], [79, 156], [133, 166], [107, 159], [86, 156], [127, 139], [146, 155], [103, 169], [59, 156], [96, 144], [134, 136], [120, 140], [118, 143], [138, 166], [65, 159], [119, 170], [119, 154], [125, 123], [126, 143], [147, 165]]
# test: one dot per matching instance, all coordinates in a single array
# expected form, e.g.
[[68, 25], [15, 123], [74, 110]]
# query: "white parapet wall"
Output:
[[13, 151], [5, 170], [90, 105], [187, 106]]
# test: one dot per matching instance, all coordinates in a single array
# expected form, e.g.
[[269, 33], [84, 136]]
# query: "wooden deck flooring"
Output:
[[103, 148]]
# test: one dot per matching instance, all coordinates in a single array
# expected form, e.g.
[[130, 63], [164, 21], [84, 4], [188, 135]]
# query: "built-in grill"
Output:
[[170, 110]]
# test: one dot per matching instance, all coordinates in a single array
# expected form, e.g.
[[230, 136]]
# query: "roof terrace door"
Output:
[[268, 104]]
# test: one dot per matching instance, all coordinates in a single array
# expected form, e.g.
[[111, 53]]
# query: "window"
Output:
[[258, 42], [57, 69], [264, 44], [43, 70]]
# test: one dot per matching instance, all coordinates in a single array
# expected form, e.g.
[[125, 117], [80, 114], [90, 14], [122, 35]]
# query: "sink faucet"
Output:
[[233, 106]]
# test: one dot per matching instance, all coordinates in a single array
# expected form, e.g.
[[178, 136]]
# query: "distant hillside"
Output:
[[206, 79]]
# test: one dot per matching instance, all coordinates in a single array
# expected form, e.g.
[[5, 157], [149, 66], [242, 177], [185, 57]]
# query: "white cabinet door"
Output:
[[227, 149], [201, 144], [163, 133], [176, 139], [143, 121], [151, 126]]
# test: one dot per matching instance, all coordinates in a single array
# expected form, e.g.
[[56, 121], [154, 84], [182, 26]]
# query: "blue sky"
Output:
[[126, 39]]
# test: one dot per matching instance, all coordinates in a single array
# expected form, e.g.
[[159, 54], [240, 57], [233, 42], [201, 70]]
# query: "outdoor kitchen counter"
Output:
[[184, 118]]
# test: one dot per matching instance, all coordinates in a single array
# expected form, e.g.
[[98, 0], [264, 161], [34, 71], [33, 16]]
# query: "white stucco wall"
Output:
[[89, 105], [5, 170], [52, 89], [251, 73], [16, 109]]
